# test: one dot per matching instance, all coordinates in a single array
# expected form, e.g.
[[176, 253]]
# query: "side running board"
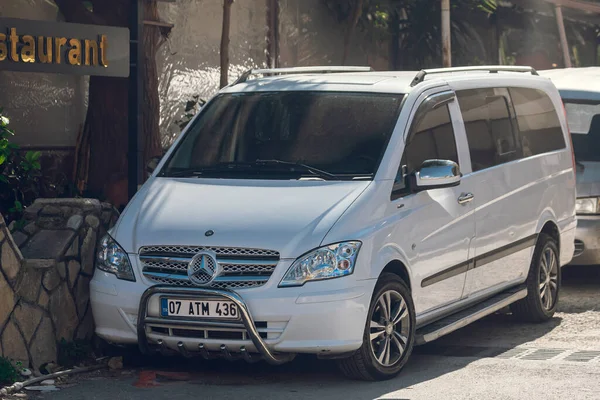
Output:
[[463, 318]]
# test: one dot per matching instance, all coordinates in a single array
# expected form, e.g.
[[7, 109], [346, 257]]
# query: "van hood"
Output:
[[291, 217], [588, 179]]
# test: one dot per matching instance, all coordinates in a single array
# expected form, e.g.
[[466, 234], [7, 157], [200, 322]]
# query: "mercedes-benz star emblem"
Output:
[[209, 233], [203, 269]]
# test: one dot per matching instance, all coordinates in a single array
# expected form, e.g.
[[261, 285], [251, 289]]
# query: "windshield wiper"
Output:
[[315, 171]]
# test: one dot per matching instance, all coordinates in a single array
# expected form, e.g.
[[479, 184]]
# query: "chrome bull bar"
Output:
[[225, 294]]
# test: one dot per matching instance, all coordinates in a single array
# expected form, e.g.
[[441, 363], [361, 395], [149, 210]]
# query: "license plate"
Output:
[[198, 308]]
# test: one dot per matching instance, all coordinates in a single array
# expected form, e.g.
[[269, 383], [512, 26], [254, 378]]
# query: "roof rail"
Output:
[[420, 77], [297, 70]]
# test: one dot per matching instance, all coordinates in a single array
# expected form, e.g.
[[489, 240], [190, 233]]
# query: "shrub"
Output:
[[8, 372]]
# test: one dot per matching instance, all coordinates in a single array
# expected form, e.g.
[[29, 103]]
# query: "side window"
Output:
[[431, 137], [537, 120], [489, 126]]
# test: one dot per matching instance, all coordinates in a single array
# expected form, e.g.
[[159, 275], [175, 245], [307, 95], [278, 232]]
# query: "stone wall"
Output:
[[46, 266]]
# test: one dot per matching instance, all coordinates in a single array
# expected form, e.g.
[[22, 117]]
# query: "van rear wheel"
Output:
[[389, 333], [543, 283]]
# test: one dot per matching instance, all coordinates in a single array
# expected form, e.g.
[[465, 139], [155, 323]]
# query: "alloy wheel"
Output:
[[389, 328], [548, 279]]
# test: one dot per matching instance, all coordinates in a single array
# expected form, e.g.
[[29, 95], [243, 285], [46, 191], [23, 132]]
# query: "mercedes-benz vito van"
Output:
[[347, 214]]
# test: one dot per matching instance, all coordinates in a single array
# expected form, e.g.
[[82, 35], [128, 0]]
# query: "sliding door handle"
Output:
[[465, 198]]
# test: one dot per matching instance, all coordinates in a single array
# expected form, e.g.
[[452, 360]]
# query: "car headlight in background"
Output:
[[113, 259], [326, 262], [588, 205]]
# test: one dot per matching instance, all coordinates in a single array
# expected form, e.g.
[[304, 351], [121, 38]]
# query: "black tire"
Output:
[[363, 365], [534, 307]]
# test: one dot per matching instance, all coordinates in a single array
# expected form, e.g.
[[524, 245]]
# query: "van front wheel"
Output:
[[389, 333]]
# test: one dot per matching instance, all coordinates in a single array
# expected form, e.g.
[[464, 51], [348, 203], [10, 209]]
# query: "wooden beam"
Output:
[[563, 37], [446, 35], [577, 5]]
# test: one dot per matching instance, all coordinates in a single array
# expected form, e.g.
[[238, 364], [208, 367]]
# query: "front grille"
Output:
[[240, 268], [271, 330], [579, 248]]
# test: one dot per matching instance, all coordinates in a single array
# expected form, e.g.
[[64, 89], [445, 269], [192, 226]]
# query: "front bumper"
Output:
[[587, 241], [194, 293], [324, 318]]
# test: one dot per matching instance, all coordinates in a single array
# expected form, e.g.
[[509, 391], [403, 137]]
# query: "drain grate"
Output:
[[542, 354], [583, 356], [512, 353]]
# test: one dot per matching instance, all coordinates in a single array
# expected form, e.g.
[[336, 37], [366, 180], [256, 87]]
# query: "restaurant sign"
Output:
[[58, 47]]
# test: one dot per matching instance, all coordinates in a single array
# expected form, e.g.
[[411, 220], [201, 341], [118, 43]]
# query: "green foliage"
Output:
[[20, 174], [8, 372], [73, 353], [415, 25], [191, 108]]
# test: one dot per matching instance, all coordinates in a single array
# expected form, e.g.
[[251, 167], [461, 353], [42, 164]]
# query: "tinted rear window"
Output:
[[538, 121]]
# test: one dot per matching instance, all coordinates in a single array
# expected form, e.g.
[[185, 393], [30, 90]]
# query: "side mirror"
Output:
[[437, 174], [152, 164]]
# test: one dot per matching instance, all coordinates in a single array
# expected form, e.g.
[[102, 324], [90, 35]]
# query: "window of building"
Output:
[[538, 122]]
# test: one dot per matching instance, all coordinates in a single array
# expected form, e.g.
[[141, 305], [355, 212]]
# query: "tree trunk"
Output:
[[356, 13], [272, 33], [103, 173], [225, 41]]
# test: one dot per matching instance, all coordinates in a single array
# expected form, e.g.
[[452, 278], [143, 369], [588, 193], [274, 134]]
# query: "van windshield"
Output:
[[287, 135], [584, 124]]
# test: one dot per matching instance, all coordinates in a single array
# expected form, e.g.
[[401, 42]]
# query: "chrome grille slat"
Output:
[[240, 268]]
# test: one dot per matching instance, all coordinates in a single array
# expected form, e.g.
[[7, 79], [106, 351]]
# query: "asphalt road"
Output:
[[495, 358]]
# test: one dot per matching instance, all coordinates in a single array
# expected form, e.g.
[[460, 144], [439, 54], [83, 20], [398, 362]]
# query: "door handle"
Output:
[[465, 198]]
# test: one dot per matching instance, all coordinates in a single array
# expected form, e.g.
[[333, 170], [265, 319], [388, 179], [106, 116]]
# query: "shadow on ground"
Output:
[[308, 377]]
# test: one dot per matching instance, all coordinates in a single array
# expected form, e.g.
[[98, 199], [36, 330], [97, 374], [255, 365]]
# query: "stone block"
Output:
[[73, 250], [93, 221], [63, 312], [85, 330], [38, 264], [28, 318], [7, 300], [13, 344], [43, 346], [86, 204], [31, 228], [43, 300], [32, 212], [66, 211], [10, 260], [62, 270], [51, 211], [88, 252], [51, 223], [19, 238], [82, 295], [74, 269], [29, 284], [75, 222], [51, 279], [50, 244]]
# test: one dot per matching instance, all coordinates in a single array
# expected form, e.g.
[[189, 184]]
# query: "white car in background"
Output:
[[349, 215], [580, 92]]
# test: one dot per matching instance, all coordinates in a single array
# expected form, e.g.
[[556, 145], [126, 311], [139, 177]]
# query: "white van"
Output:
[[349, 215], [580, 91]]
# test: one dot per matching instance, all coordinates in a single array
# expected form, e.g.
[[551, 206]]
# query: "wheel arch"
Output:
[[550, 228]]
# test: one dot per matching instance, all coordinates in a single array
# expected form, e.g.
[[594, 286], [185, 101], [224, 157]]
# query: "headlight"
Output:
[[326, 262], [589, 205], [113, 259]]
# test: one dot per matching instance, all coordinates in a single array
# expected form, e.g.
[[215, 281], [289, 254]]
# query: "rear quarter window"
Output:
[[538, 121]]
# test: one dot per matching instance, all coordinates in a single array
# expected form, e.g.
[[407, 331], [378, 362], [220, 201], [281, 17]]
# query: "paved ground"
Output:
[[495, 358]]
